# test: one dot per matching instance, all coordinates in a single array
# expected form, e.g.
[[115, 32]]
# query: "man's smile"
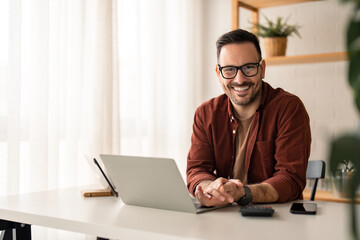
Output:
[[241, 89]]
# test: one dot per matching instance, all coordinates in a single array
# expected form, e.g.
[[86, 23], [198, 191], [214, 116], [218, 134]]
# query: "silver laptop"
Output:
[[150, 182]]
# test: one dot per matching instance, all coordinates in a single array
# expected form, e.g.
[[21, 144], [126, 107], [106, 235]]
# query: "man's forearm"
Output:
[[263, 192]]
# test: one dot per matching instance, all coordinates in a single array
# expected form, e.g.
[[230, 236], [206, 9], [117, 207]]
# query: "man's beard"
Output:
[[233, 95]]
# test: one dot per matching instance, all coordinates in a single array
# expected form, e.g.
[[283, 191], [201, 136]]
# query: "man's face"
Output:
[[242, 90]]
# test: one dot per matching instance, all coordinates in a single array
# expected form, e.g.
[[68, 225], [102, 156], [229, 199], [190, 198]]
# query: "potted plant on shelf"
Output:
[[275, 35]]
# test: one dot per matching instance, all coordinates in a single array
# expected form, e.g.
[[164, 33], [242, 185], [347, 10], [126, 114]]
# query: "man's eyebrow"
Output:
[[230, 65]]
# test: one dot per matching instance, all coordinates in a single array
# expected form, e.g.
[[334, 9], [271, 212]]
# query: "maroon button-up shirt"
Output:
[[278, 145]]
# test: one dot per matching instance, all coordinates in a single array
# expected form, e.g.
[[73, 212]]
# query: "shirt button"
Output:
[[234, 131]]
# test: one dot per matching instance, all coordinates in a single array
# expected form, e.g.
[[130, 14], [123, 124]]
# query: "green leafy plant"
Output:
[[348, 165], [347, 146], [279, 28]]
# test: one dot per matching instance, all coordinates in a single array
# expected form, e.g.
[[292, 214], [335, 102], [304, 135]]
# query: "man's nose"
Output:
[[239, 78]]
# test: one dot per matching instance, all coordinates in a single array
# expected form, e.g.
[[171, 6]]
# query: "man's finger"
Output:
[[200, 193], [204, 199], [226, 191], [222, 196], [219, 182], [237, 182], [215, 193]]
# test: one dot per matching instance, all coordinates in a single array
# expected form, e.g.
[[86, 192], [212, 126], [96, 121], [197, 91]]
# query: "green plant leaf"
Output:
[[353, 36], [348, 146], [345, 147], [354, 70], [357, 2], [279, 28], [354, 77], [353, 49]]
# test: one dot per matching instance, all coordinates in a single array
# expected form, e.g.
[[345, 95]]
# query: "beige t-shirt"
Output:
[[240, 150]]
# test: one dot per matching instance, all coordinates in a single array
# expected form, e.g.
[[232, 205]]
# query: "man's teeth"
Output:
[[241, 88]]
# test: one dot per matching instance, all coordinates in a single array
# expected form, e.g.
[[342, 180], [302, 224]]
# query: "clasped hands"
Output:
[[219, 192]]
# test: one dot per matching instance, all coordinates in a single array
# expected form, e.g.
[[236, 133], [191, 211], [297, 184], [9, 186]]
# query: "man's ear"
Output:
[[263, 67], [218, 72]]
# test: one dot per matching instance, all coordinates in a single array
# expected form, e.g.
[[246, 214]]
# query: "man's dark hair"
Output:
[[237, 36]]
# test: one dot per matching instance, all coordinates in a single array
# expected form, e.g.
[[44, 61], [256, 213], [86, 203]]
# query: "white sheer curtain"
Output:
[[160, 74], [59, 91], [59, 94], [94, 76]]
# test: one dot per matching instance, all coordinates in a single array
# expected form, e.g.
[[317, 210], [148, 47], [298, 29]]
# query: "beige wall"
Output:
[[322, 87]]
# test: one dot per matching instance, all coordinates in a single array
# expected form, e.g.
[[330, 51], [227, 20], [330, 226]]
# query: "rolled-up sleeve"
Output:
[[200, 160]]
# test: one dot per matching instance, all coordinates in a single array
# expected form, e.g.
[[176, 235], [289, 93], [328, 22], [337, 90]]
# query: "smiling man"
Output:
[[252, 143]]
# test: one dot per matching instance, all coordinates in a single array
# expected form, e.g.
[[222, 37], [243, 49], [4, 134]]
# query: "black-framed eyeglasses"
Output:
[[249, 70]]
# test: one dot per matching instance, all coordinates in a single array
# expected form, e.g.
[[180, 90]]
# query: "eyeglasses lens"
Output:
[[248, 70]]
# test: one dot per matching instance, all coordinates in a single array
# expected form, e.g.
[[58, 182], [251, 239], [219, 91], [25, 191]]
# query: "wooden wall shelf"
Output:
[[311, 58], [273, 3], [255, 5]]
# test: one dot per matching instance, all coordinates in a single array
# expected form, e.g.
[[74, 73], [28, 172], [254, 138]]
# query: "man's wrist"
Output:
[[246, 198]]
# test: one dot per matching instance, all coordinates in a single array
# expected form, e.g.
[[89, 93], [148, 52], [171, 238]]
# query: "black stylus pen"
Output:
[[111, 186]]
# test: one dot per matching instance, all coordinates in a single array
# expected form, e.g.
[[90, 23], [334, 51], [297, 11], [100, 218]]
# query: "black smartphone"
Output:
[[303, 208]]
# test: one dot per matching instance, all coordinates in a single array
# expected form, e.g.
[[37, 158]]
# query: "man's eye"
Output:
[[249, 67], [229, 70]]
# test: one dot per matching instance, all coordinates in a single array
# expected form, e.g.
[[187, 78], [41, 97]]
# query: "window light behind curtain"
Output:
[[160, 74], [59, 91], [94, 76]]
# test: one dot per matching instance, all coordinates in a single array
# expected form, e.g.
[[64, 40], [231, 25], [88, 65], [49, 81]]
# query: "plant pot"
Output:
[[340, 183], [275, 46]]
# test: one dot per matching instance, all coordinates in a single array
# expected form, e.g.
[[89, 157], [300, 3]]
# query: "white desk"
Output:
[[107, 217]]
